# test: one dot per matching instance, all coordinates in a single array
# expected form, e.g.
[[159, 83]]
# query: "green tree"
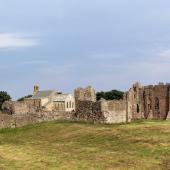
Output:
[[4, 96], [110, 95], [25, 97]]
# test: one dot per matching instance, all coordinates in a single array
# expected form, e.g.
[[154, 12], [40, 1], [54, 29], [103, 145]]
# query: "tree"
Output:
[[110, 95], [4, 96], [25, 97]]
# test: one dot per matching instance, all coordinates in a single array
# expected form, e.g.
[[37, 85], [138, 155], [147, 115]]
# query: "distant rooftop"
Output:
[[61, 97], [43, 94]]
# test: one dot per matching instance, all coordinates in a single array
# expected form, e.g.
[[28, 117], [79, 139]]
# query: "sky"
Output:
[[65, 44]]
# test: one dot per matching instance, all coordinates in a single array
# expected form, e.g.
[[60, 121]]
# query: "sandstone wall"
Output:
[[89, 111], [85, 94], [103, 111], [22, 107], [115, 111], [12, 121], [149, 102]]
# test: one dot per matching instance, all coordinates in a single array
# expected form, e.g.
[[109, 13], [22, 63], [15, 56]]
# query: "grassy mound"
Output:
[[72, 146]]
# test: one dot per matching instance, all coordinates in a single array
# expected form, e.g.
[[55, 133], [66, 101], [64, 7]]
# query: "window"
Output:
[[138, 108], [156, 104], [67, 105]]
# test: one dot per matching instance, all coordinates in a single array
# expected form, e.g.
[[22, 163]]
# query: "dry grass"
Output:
[[70, 145]]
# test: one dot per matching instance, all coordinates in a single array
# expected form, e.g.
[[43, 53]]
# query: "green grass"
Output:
[[77, 146]]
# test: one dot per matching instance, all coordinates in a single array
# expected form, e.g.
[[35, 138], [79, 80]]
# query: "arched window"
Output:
[[156, 104]]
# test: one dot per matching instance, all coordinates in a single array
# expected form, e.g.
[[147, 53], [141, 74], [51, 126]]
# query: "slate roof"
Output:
[[61, 97], [43, 94]]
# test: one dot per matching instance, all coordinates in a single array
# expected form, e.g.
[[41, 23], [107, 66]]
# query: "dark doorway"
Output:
[[138, 110]]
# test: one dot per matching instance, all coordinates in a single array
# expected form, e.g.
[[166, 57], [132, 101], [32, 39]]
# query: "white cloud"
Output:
[[8, 40]]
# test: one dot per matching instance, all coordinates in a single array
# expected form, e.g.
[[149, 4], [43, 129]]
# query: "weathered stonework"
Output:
[[140, 102], [87, 108], [12, 121], [22, 107], [150, 102], [85, 94]]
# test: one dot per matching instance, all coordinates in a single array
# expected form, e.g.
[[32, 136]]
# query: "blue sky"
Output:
[[64, 44]]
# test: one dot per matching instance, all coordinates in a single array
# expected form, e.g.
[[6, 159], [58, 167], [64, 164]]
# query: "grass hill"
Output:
[[77, 146]]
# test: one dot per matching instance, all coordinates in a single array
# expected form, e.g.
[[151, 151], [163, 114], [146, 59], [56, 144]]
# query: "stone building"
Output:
[[87, 108], [51, 100], [140, 102], [46, 97], [149, 102], [64, 102]]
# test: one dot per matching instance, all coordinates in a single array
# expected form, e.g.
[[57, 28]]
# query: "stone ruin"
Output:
[[87, 108], [22, 107], [150, 102], [140, 102]]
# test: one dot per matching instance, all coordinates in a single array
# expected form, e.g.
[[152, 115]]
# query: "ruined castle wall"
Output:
[[12, 121], [135, 102], [22, 107], [162, 93], [85, 94], [89, 111], [149, 102], [114, 111], [103, 111], [87, 108], [156, 101]]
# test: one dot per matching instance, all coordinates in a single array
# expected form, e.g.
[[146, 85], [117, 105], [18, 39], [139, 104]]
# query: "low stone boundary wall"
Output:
[[12, 121]]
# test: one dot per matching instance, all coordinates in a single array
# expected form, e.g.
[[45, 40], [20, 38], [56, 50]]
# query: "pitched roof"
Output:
[[61, 97], [43, 94]]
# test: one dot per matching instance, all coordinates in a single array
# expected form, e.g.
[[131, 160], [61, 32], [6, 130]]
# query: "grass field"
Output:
[[72, 146]]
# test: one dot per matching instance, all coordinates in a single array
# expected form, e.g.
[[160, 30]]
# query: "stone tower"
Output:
[[85, 94]]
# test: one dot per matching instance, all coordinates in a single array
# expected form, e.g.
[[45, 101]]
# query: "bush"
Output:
[[110, 95], [4, 96]]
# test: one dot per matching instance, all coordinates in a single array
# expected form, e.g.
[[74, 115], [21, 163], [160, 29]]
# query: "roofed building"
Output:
[[51, 100]]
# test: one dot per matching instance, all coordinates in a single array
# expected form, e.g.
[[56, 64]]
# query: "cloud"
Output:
[[8, 40]]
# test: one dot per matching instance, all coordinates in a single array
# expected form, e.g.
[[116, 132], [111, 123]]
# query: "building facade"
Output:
[[51, 100], [149, 102]]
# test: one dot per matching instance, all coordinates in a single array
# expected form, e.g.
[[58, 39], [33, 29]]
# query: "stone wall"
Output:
[[115, 111], [85, 94], [21, 107], [87, 108], [89, 111], [150, 102], [103, 111], [12, 121]]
